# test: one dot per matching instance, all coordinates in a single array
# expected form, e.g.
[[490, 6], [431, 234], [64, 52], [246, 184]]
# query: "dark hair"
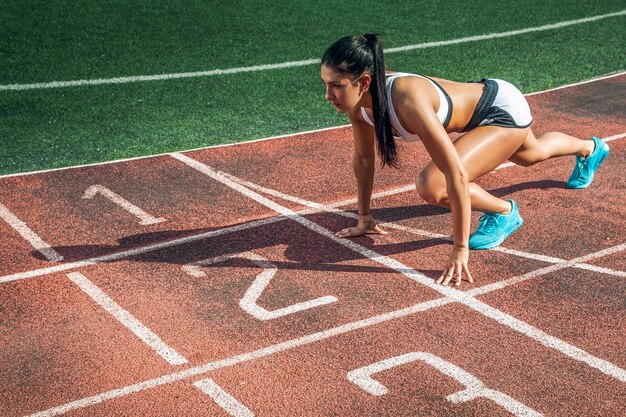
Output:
[[356, 55]]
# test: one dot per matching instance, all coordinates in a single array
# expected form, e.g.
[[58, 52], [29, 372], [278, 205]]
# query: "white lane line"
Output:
[[471, 302], [145, 218], [158, 77], [431, 235], [306, 62], [607, 139], [558, 25], [30, 236], [263, 222], [245, 357], [174, 242], [549, 269], [137, 158], [137, 251], [564, 263], [288, 135], [576, 84], [614, 137], [249, 356], [324, 208], [229, 403], [600, 270], [127, 320]]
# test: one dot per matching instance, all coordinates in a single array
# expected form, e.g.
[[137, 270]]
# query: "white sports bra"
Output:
[[443, 113]]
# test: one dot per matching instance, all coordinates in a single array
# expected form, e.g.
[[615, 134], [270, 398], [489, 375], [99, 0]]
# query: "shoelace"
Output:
[[488, 222], [580, 166]]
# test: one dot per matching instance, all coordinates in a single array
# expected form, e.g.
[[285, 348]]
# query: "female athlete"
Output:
[[493, 115]]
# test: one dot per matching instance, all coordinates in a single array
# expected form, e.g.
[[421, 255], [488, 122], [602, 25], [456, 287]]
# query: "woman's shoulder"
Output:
[[406, 85]]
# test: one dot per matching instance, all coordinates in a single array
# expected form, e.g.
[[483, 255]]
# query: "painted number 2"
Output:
[[145, 218], [248, 302], [474, 388]]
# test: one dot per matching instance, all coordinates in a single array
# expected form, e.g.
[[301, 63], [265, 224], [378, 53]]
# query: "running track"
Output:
[[210, 283]]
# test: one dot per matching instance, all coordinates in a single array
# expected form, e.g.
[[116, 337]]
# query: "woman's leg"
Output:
[[481, 150], [550, 145]]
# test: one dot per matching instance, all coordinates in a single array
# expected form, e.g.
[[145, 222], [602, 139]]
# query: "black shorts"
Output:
[[501, 104]]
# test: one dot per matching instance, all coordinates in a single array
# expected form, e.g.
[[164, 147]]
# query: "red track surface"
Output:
[[60, 351]]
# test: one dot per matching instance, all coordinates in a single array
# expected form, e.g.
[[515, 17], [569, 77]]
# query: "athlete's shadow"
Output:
[[302, 248], [422, 209], [530, 185], [299, 247]]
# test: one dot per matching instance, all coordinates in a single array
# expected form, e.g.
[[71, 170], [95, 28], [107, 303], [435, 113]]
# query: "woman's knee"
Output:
[[524, 161], [431, 189], [529, 157], [530, 152]]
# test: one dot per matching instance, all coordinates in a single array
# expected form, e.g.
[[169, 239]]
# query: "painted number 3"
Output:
[[474, 388]]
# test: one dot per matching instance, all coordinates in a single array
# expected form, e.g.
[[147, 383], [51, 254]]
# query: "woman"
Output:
[[494, 115]]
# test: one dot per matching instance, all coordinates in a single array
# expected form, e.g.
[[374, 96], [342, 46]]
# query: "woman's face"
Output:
[[341, 90]]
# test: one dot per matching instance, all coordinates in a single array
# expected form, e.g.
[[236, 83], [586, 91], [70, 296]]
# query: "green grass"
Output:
[[57, 41]]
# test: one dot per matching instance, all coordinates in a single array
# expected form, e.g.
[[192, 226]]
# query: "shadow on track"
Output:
[[304, 249]]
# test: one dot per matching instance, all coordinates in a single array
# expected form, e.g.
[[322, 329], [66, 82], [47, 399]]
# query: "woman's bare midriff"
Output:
[[465, 97]]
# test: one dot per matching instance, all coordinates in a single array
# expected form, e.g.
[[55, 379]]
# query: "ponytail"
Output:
[[378, 89], [356, 55]]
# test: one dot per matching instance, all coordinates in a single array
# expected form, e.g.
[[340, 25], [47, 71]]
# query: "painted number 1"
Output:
[[145, 218]]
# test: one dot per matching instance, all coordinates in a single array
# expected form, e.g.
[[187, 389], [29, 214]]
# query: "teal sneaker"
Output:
[[585, 168], [494, 228]]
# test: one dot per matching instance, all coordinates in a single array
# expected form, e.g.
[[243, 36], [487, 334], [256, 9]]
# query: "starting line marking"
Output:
[[245, 357], [270, 350], [127, 320], [251, 355], [263, 222], [229, 403], [30, 236], [459, 296], [474, 388], [575, 263]]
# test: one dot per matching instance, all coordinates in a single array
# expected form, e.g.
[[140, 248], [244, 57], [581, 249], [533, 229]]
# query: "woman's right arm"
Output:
[[363, 164]]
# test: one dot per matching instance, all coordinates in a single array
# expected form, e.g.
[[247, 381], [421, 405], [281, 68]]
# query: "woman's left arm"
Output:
[[421, 118]]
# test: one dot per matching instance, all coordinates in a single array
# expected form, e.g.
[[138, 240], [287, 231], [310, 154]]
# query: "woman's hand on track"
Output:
[[365, 225], [457, 265]]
